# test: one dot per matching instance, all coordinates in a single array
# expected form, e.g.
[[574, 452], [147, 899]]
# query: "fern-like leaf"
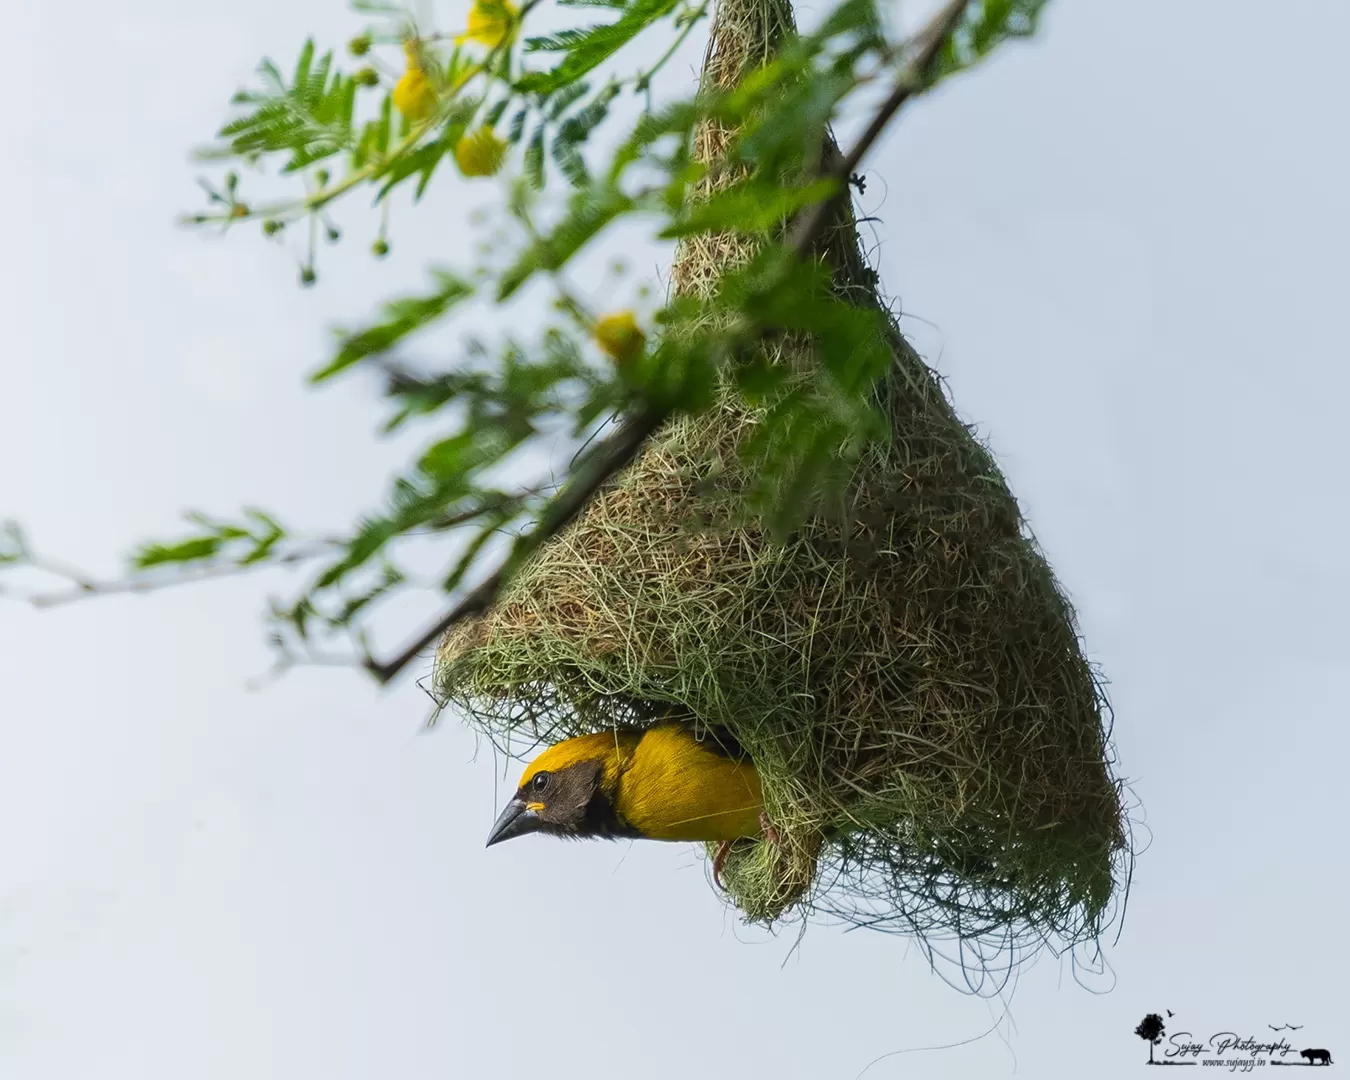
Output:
[[588, 49]]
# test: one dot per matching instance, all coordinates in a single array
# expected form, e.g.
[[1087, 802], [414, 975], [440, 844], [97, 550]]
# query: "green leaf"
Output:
[[401, 318], [517, 127], [265, 519], [385, 126], [572, 164], [592, 47], [984, 27], [534, 159], [219, 529], [566, 97], [391, 579], [197, 549], [311, 89], [677, 120], [577, 129], [13, 544], [851, 16], [309, 120], [366, 145], [562, 40], [422, 160], [370, 537], [792, 121], [470, 556], [752, 207], [262, 551], [588, 214], [303, 63], [271, 75]]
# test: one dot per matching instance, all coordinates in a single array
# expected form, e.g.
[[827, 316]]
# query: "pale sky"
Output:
[[1131, 237]]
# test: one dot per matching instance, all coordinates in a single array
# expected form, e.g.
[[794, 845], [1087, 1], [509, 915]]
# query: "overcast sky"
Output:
[[1131, 237]]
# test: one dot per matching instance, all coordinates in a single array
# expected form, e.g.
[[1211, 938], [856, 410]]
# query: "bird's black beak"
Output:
[[516, 820]]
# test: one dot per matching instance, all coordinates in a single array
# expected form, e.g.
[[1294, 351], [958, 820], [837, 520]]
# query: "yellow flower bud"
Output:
[[480, 153], [490, 23], [620, 336]]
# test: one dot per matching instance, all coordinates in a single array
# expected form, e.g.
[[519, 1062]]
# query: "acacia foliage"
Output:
[[337, 132]]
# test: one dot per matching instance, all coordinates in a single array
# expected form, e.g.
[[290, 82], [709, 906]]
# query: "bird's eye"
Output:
[[540, 781]]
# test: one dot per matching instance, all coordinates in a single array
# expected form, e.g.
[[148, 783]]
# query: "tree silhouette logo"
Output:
[[1151, 1029]]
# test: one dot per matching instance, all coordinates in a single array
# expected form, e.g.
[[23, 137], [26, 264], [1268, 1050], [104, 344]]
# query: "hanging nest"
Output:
[[907, 678]]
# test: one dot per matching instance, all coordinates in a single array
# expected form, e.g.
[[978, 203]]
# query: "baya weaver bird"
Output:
[[663, 783]]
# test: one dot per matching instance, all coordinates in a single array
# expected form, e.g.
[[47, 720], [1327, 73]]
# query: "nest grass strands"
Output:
[[932, 743]]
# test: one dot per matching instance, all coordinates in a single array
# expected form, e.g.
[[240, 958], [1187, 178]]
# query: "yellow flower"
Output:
[[414, 96], [480, 153], [490, 23], [620, 336]]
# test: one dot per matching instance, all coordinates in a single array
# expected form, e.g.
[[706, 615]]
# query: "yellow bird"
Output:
[[662, 783]]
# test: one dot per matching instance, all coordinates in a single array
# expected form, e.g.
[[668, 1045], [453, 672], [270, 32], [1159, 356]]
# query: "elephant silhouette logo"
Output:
[[1315, 1056]]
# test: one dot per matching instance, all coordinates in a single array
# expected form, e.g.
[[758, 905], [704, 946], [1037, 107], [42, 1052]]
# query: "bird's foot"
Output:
[[718, 860], [770, 833]]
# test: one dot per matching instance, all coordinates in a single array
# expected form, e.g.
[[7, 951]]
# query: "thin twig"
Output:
[[608, 459], [83, 586], [644, 81], [913, 79]]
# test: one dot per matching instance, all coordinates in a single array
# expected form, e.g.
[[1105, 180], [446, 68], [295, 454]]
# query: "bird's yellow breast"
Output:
[[673, 787]]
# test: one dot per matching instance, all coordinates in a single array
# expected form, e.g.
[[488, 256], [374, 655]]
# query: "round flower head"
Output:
[[414, 96], [480, 153], [490, 23], [620, 336]]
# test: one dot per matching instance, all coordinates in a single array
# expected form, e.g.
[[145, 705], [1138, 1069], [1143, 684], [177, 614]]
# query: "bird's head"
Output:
[[566, 791]]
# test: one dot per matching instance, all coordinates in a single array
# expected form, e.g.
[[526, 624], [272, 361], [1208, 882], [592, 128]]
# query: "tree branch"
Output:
[[607, 460], [913, 79]]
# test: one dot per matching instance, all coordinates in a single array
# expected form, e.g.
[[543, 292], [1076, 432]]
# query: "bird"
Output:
[[1294, 1027], [1170, 1014], [666, 782]]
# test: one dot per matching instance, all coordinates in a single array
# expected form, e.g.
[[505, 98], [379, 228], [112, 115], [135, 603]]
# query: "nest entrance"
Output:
[[908, 679]]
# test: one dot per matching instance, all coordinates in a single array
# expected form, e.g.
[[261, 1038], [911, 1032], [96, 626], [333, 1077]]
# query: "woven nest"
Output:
[[907, 678]]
